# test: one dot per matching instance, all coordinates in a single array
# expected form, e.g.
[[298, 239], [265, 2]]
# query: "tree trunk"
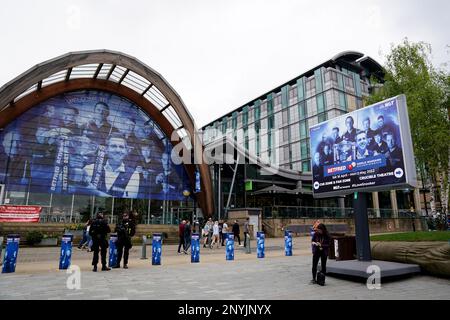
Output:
[[432, 194]]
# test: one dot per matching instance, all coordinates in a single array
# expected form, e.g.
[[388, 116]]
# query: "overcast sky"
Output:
[[218, 55]]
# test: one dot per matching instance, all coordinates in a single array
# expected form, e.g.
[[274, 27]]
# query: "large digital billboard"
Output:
[[369, 149], [93, 143]]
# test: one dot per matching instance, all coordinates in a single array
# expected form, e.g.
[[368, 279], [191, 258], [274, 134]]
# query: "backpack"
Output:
[[320, 277]]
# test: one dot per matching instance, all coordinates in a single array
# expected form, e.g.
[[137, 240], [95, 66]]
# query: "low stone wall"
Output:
[[276, 227], [170, 231]]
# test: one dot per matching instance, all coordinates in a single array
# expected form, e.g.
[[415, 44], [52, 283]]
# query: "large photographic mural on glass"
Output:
[[93, 143]]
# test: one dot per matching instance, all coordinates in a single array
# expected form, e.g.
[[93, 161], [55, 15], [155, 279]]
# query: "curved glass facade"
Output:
[[84, 150]]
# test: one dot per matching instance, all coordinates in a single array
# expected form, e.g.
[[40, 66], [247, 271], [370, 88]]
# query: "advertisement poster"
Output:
[[229, 249], [195, 248], [156, 249], [11, 252], [369, 149], [9, 213], [260, 244], [93, 143], [66, 252], [288, 243]]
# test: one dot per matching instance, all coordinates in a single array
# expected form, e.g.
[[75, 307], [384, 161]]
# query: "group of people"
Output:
[[98, 230], [61, 151], [215, 233], [358, 144]]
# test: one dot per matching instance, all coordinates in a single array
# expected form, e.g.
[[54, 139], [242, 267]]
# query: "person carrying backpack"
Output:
[[125, 230], [98, 231]]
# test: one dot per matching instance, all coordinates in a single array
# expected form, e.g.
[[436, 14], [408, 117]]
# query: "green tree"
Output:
[[409, 71]]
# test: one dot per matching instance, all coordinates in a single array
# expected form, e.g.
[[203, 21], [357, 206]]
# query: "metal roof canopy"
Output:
[[106, 65]]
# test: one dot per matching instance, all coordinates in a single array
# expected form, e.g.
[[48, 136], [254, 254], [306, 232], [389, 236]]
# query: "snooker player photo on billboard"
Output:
[[369, 149]]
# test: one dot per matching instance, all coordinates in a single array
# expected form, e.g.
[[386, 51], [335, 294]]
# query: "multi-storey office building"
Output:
[[274, 128]]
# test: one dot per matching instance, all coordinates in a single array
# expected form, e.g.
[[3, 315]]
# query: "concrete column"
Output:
[[394, 208], [417, 205], [376, 204]]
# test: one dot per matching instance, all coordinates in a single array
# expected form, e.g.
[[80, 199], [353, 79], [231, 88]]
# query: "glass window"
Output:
[[264, 124], [271, 122], [306, 166], [277, 100], [342, 102], [264, 143], [264, 109], [311, 107], [295, 151], [351, 100], [312, 121], [285, 117], [320, 103], [321, 117], [293, 113], [285, 134], [295, 132], [303, 129], [302, 110], [257, 112], [293, 94], [310, 87], [304, 149]]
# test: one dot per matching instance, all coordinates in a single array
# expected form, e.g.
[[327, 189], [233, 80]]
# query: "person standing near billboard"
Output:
[[125, 230], [320, 243], [98, 232]]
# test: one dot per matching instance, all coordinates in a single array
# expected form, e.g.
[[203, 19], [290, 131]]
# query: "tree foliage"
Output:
[[409, 71]]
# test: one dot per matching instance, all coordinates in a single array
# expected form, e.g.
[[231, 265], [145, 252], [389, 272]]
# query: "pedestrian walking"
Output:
[[246, 231], [215, 237], [86, 237], [224, 231], [236, 232], [181, 235], [187, 236]]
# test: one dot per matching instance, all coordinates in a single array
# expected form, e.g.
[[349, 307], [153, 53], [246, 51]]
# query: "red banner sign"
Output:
[[19, 213]]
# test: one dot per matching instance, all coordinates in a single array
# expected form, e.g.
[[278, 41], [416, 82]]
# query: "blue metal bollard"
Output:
[[288, 243], [260, 247], [112, 261], [229, 247], [156, 249], [195, 248], [11, 252], [66, 252]]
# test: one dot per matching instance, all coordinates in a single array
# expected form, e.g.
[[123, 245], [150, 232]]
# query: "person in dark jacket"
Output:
[[187, 236], [181, 235], [125, 230], [236, 231], [98, 231], [321, 243]]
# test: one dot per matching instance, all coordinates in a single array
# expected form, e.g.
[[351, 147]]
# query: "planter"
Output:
[[47, 242]]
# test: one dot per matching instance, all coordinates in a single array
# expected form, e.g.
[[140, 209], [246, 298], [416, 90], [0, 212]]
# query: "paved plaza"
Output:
[[274, 277]]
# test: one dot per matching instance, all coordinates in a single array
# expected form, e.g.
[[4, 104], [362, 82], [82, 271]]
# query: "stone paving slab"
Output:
[[275, 277]]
